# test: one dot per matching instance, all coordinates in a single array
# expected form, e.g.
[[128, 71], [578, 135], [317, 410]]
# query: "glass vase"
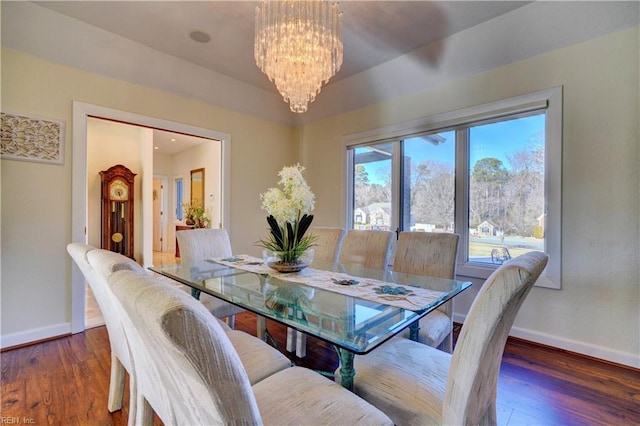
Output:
[[274, 260]]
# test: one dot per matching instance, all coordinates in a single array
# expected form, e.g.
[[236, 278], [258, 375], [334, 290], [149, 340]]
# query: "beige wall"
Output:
[[36, 198], [598, 309], [206, 156]]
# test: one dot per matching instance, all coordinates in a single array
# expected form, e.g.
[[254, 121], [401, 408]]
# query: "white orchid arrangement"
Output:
[[290, 215]]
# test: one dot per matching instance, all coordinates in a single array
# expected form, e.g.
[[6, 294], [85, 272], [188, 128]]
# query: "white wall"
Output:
[[207, 157], [597, 312]]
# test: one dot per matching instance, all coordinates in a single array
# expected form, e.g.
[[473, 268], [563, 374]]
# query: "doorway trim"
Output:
[[81, 112], [164, 209]]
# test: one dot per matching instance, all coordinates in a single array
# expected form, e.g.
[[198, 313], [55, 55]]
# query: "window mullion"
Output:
[[461, 193], [397, 186]]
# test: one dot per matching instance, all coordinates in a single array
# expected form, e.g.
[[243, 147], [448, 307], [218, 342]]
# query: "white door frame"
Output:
[[164, 208], [81, 112]]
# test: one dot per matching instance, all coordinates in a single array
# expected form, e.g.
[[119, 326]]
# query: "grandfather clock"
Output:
[[117, 210]]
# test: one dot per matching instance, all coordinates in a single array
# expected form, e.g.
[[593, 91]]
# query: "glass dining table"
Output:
[[354, 308]]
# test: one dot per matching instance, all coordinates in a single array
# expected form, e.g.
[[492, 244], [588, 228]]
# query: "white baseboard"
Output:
[[588, 349], [15, 339]]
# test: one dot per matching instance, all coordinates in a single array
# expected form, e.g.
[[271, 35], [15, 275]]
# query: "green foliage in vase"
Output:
[[196, 213], [289, 241]]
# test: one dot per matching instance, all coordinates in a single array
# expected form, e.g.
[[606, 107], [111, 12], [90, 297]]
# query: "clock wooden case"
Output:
[[117, 209]]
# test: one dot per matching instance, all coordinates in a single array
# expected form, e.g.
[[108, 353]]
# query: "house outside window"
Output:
[[489, 173]]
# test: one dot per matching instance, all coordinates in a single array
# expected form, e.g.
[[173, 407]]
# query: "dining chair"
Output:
[[326, 249], [259, 359], [371, 249], [433, 254], [417, 384], [191, 373], [327, 243], [120, 358], [204, 243]]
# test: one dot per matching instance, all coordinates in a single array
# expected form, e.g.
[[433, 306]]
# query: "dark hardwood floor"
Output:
[[65, 382]]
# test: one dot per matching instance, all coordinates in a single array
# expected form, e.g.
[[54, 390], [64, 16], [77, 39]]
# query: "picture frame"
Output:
[[197, 187], [31, 138]]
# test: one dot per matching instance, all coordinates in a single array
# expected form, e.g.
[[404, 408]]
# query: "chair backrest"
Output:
[[96, 264], [196, 371], [106, 262], [427, 253], [327, 243], [203, 243], [366, 248], [475, 365]]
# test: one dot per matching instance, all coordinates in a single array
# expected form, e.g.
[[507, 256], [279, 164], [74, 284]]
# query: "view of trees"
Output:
[[511, 198], [367, 192], [432, 194]]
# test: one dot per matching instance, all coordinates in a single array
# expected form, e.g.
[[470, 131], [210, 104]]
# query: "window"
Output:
[[506, 187], [179, 188], [489, 173]]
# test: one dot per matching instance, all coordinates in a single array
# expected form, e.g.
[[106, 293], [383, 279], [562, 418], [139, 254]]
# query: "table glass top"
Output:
[[348, 322]]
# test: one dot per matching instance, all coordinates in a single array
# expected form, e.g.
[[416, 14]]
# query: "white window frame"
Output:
[[549, 98]]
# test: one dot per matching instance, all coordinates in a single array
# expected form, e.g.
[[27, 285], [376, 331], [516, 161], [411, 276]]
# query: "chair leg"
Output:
[[231, 320], [291, 339], [144, 414], [261, 327], [490, 418], [447, 343], [301, 345], [133, 400], [116, 384]]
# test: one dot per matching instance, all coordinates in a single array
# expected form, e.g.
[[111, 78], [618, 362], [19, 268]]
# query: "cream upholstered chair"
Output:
[[259, 359], [326, 250], [203, 243], [195, 376], [417, 384], [434, 254], [327, 244], [370, 249], [120, 359]]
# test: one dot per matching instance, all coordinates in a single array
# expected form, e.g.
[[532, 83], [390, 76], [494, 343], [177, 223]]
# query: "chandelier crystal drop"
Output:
[[298, 45]]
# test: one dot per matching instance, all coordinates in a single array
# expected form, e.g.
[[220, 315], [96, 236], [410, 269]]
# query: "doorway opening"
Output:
[[84, 220]]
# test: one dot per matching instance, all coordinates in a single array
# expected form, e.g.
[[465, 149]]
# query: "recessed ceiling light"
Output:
[[155, 147], [173, 140], [199, 36]]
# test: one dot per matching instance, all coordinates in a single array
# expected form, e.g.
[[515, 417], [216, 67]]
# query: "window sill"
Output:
[[482, 271]]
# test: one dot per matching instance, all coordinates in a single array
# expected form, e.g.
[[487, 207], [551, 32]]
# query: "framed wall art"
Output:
[[30, 138]]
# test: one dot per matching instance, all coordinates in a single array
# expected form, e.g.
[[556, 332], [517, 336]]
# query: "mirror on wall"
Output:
[[197, 186]]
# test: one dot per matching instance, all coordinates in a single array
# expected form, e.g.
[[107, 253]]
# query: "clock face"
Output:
[[118, 190]]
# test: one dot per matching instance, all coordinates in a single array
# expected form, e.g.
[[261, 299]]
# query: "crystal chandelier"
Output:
[[298, 45]]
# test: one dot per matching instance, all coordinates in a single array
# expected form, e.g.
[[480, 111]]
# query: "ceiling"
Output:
[[169, 143], [391, 48], [374, 31]]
